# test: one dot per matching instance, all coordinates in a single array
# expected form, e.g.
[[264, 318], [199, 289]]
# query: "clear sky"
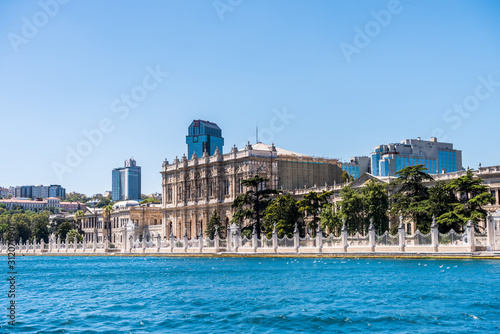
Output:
[[325, 78]]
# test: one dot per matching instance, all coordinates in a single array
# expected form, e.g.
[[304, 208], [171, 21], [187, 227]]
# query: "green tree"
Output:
[[214, 222], [346, 177], [20, 229], [411, 199], [283, 211], [351, 209], [151, 200], [376, 204], [103, 202], [473, 197], [310, 206], [441, 203], [41, 231], [76, 197], [72, 234], [79, 215], [331, 219], [63, 229], [252, 203]]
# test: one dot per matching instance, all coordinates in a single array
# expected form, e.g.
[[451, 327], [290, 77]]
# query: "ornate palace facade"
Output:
[[193, 189]]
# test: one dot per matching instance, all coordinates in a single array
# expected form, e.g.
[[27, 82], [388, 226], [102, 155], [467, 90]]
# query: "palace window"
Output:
[[226, 187]]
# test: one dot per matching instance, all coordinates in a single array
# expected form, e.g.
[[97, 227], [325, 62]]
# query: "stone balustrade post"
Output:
[[144, 243], [94, 243], [200, 241], [470, 236], [125, 239], [158, 242], [58, 243], [275, 238], [490, 233], [51, 244], [67, 243], [216, 239], [402, 235], [185, 239], [344, 236], [255, 240], [75, 243], [235, 237], [434, 235], [172, 242], [84, 243], [371, 236], [296, 240], [42, 245], [130, 243], [319, 238], [106, 244]]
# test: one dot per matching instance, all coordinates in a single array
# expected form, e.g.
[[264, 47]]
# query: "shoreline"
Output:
[[468, 256]]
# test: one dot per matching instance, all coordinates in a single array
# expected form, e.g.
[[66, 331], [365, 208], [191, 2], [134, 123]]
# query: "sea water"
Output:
[[253, 295]]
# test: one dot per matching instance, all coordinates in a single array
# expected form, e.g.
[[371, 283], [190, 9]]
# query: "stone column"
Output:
[[296, 240], [319, 238], [344, 236], [434, 235], [275, 239], [255, 241], [371, 236], [402, 234]]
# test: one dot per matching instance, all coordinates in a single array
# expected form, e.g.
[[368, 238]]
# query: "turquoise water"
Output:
[[254, 295]]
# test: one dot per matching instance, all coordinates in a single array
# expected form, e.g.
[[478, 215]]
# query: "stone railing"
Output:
[[432, 242]]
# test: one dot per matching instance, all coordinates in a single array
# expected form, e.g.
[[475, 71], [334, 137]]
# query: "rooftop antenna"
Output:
[[257, 133]]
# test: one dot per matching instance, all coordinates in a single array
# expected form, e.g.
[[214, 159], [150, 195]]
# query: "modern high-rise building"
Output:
[[54, 190], [387, 160], [357, 166], [126, 182], [203, 136]]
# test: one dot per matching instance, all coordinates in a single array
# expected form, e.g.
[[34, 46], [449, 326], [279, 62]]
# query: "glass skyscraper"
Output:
[[203, 136], [126, 182], [437, 157]]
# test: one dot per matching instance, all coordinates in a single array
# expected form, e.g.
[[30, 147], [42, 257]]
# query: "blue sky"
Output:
[[430, 68]]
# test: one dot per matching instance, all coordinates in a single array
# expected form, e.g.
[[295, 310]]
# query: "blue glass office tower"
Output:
[[203, 136], [126, 182], [436, 156]]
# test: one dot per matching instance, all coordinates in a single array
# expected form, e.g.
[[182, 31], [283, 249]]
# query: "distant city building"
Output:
[[4, 192], [439, 158], [357, 166], [203, 136], [73, 206], [126, 182], [31, 205], [107, 193], [54, 190]]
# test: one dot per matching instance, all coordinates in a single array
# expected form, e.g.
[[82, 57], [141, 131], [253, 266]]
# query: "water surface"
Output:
[[254, 295]]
